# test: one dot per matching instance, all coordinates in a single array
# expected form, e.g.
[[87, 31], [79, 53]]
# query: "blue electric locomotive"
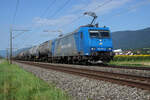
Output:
[[86, 44]]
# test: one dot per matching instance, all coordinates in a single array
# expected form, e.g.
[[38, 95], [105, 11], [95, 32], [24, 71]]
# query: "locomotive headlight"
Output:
[[93, 48], [109, 48]]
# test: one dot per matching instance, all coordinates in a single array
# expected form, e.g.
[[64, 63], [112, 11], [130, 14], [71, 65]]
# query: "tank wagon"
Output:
[[34, 53], [44, 51], [37, 53], [87, 44]]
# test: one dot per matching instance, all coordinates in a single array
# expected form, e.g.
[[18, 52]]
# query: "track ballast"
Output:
[[121, 79]]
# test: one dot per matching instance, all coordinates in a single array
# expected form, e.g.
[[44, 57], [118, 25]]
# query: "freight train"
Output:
[[87, 44]]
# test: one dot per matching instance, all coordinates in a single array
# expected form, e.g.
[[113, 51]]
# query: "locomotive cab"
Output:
[[100, 43], [100, 40], [97, 43]]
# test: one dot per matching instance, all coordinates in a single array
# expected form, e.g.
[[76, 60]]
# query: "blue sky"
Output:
[[53, 15]]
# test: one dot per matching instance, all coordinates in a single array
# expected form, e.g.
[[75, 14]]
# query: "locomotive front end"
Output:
[[100, 43]]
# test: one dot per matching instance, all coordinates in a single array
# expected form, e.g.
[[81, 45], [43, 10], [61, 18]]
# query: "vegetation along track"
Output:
[[121, 79]]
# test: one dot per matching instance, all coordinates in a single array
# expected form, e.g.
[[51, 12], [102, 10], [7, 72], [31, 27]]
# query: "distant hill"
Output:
[[132, 39], [3, 53]]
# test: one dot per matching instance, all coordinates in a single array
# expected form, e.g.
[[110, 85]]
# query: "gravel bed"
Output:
[[81, 88], [144, 73]]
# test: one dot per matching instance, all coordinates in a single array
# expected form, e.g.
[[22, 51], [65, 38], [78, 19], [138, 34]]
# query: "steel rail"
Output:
[[127, 67]]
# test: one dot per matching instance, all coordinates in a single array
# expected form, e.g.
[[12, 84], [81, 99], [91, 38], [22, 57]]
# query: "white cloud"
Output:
[[53, 22], [134, 7], [93, 5], [100, 7]]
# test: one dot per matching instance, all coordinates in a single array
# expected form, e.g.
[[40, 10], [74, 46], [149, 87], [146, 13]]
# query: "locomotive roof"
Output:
[[89, 26], [68, 34]]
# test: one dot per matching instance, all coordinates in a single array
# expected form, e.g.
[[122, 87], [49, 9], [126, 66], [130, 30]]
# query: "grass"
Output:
[[131, 60], [17, 84]]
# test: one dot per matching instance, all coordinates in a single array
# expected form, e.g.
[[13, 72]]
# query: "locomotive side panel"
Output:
[[65, 46], [83, 41]]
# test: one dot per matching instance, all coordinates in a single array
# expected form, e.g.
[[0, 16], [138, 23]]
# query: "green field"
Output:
[[17, 84], [131, 60]]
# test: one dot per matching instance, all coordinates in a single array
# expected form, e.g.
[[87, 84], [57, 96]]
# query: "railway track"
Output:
[[121, 79], [127, 67]]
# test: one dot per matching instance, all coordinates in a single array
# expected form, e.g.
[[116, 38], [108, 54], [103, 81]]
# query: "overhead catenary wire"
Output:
[[42, 15], [15, 13], [60, 8], [57, 11], [47, 9], [72, 21], [13, 22], [18, 34], [101, 5], [126, 11], [63, 6]]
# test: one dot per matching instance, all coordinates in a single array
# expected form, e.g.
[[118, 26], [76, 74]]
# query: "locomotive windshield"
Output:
[[99, 34], [94, 34]]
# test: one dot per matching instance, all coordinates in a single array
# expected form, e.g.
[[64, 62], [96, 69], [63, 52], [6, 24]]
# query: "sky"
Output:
[[37, 21]]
